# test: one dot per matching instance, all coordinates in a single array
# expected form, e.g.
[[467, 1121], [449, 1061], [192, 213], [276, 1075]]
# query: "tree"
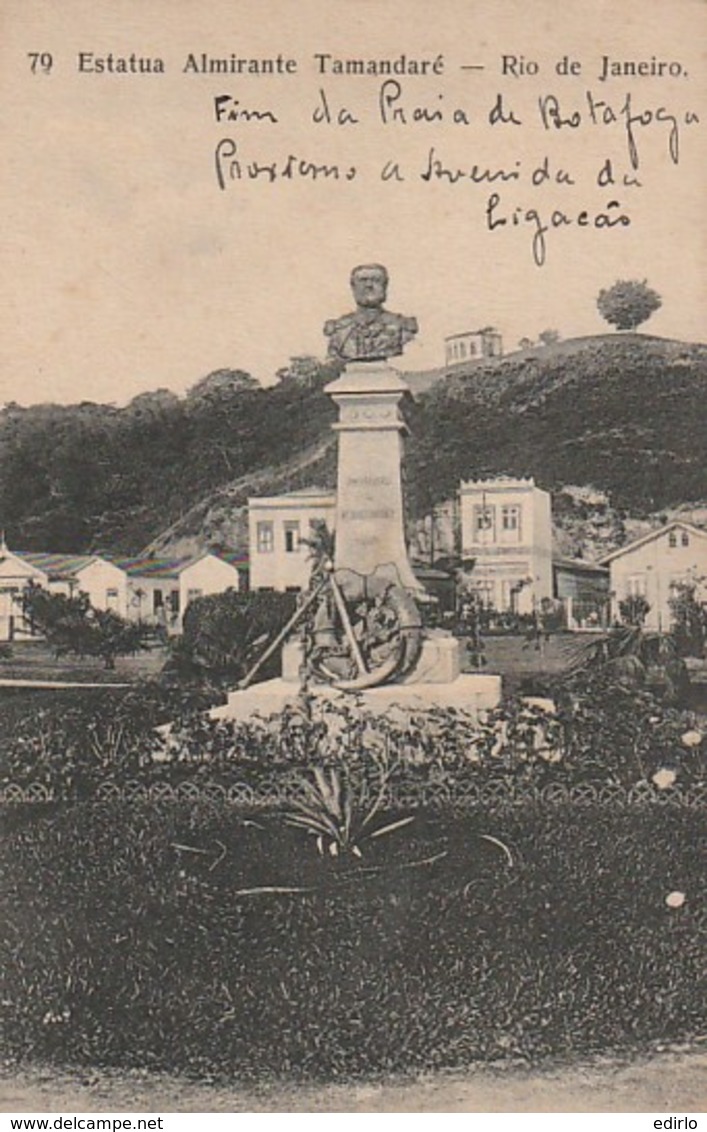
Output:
[[526, 344], [72, 625], [634, 609], [689, 619], [221, 384], [628, 303], [549, 337], [308, 372]]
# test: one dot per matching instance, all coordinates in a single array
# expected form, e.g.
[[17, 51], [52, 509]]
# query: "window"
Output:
[[293, 589], [111, 599], [484, 521], [510, 518], [672, 539], [292, 543], [636, 585], [157, 600], [508, 592], [174, 601], [685, 540], [265, 538], [485, 592], [462, 349]]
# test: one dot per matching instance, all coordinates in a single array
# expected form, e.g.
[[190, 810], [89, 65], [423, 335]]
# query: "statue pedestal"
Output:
[[471, 693], [434, 682], [370, 527]]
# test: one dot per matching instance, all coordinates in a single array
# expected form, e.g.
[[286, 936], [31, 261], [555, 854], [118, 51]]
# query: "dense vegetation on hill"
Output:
[[89, 476], [624, 413], [621, 412]]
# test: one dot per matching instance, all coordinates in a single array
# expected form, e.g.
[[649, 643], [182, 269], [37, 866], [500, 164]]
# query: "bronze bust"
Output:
[[370, 333]]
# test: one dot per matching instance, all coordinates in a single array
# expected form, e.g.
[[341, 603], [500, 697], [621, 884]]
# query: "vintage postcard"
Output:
[[353, 574]]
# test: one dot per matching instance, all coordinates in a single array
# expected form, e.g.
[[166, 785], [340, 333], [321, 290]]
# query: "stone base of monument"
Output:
[[471, 693], [436, 681]]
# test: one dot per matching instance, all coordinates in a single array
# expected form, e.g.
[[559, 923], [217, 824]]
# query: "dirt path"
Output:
[[670, 1083]]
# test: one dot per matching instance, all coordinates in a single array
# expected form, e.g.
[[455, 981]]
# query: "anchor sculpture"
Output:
[[359, 631]]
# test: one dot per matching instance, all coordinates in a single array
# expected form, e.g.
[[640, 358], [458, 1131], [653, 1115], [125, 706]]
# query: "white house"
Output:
[[473, 345], [103, 582], [160, 589], [506, 528], [654, 565], [277, 526], [15, 575]]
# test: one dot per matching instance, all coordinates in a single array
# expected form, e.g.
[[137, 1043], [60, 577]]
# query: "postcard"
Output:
[[433, 277]]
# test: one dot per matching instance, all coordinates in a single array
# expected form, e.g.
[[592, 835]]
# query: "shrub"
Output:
[[223, 634], [634, 609], [74, 740], [689, 620]]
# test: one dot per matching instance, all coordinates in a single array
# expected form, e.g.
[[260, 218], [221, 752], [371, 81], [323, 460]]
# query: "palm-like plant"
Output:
[[337, 815]]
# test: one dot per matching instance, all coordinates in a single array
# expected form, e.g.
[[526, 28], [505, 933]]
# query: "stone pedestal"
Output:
[[370, 528], [471, 693]]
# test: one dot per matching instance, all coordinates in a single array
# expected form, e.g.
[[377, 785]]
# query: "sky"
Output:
[[127, 268]]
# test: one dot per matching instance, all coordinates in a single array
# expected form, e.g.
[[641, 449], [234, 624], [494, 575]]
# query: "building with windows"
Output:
[[506, 528], [278, 526], [655, 565], [102, 581], [583, 589], [15, 575], [160, 589], [473, 345]]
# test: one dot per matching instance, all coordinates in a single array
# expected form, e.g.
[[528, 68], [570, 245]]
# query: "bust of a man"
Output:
[[369, 333]]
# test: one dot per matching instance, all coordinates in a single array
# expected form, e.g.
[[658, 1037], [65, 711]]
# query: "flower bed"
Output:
[[597, 734]]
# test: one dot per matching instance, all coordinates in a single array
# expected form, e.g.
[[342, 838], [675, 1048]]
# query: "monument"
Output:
[[370, 527], [359, 627]]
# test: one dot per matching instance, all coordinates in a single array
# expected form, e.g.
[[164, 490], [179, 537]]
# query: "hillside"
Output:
[[614, 425]]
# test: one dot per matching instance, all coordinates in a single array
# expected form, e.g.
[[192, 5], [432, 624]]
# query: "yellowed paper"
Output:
[[187, 185]]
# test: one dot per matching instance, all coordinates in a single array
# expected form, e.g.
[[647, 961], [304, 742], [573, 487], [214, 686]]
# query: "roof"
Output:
[[431, 574], [149, 566], [580, 565], [234, 558], [677, 525], [466, 333], [307, 493], [57, 566]]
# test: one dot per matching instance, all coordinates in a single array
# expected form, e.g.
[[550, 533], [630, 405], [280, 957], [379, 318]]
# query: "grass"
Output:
[[35, 660], [141, 935]]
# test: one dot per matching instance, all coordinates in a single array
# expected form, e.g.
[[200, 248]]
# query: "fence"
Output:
[[457, 794]]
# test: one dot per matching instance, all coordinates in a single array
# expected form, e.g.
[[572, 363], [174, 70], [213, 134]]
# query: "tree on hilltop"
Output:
[[628, 303], [221, 384]]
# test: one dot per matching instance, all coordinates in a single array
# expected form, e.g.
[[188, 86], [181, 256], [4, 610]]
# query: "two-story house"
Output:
[[278, 529], [655, 565], [506, 528]]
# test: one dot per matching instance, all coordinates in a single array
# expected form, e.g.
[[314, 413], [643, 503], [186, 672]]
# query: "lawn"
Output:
[[193, 937], [517, 658], [36, 660]]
